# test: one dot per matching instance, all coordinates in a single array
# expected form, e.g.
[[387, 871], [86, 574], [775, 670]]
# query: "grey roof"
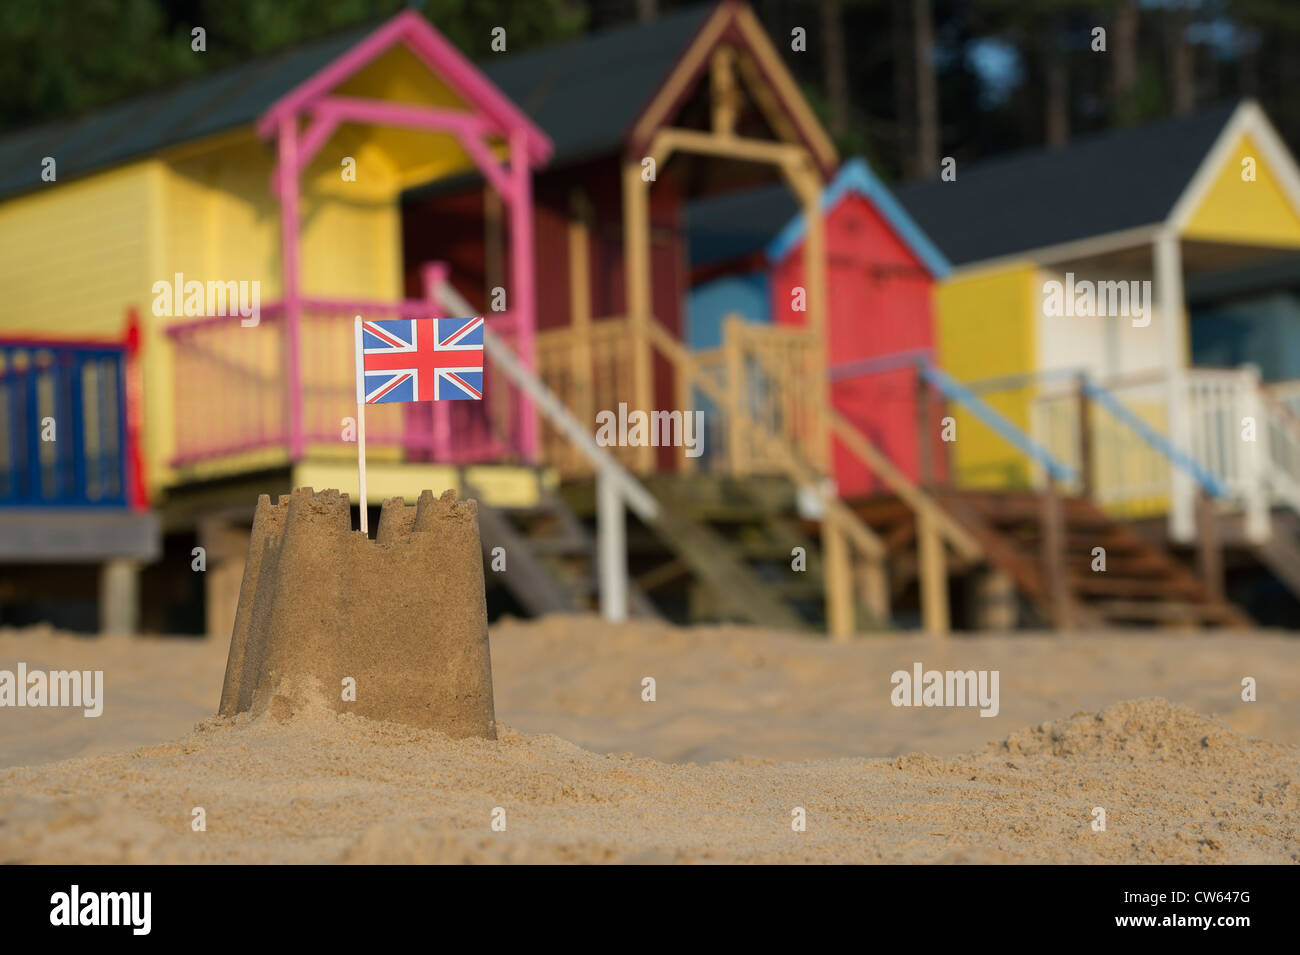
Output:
[[1036, 198], [138, 127], [584, 93], [737, 224]]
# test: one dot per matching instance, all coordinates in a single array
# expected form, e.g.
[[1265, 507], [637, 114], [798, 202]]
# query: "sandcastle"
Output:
[[402, 615]]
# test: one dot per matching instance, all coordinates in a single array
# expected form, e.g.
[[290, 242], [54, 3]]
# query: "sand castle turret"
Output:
[[403, 615]]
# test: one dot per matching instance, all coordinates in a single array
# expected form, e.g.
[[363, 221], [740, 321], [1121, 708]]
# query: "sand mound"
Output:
[[330, 787], [1150, 728], [391, 629]]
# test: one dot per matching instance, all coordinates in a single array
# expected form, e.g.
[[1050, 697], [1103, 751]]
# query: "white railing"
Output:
[[1280, 406], [1242, 441]]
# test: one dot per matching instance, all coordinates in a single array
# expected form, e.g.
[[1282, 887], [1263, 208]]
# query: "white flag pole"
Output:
[[361, 431]]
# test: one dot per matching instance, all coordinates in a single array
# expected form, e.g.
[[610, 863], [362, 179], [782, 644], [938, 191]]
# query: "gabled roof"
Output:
[[733, 24], [229, 99], [439, 56], [587, 92], [856, 178], [138, 127], [1039, 198], [737, 225]]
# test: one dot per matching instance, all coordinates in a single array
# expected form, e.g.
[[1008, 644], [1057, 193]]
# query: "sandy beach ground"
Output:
[[747, 727]]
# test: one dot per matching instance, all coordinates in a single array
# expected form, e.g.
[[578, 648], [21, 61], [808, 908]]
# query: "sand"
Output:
[[584, 770]]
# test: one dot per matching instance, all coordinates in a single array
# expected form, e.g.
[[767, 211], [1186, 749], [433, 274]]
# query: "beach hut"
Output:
[[247, 217], [694, 106], [881, 274], [644, 118], [1105, 298], [747, 255]]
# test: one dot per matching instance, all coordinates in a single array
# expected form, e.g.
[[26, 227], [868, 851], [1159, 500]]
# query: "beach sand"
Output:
[[746, 728]]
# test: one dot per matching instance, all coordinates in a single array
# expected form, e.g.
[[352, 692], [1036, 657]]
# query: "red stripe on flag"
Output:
[[463, 332], [391, 385], [379, 332], [464, 384]]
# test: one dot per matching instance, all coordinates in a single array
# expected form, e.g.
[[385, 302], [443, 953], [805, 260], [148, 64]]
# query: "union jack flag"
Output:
[[420, 359]]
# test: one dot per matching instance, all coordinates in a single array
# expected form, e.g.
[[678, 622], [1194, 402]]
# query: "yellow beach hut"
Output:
[[244, 219]]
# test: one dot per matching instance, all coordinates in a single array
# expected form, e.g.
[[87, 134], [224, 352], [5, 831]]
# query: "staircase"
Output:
[[1142, 583], [723, 547], [550, 557]]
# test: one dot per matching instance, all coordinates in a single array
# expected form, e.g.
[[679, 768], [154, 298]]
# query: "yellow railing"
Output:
[[766, 412], [588, 373], [769, 373]]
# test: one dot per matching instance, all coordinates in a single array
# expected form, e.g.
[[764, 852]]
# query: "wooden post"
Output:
[[933, 574], [802, 174], [873, 585], [736, 381], [1169, 294], [119, 596], [289, 290], [522, 304], [1054, 565], [636, 266], [494, 246], [1085, 436], [722, 91], [839, 580], [580, 308], [225, 546], [995, 600], [1209, 552], [924, 434]]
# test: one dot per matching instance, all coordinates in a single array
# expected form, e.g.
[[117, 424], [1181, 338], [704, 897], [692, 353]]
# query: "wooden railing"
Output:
[[768, 372], [765, 412], [588, 373], [233, 393], [1242, 440], [772, 404]]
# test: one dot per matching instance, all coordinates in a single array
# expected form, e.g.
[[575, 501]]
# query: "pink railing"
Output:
[[233, 392]]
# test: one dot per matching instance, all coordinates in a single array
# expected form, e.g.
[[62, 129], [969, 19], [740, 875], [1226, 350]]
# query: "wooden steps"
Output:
[[1281, 552], [1142, 583], [723, 546], [550, 558]]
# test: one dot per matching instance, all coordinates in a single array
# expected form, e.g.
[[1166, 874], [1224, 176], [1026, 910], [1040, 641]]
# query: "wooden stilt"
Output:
[[873, 588], [636, 257], [933, 574], [1054, 566], [839, 580], [1209, 551]]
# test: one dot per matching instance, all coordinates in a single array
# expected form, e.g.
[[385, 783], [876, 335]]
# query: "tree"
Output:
[[927, 95], [1123, 51], [836, 71]]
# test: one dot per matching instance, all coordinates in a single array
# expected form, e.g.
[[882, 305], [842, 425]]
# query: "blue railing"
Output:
[[969, 397], [1154, 439], [954, 390], [62, 425]]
